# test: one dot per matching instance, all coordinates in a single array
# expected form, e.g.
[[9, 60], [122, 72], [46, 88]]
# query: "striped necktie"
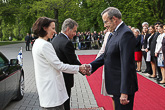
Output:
[[110, 35]]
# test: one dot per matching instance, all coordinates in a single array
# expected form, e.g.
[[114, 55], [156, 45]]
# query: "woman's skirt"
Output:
[[138, 56]]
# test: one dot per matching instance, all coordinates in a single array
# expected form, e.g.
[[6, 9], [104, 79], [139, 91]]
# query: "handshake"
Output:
[[85, 69]]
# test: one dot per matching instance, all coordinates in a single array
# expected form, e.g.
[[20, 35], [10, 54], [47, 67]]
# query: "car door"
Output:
[[2, 83], [10, 78]]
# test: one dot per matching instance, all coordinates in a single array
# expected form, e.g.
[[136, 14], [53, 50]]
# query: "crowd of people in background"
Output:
[[150, 43], [82, 40], [88, 40]]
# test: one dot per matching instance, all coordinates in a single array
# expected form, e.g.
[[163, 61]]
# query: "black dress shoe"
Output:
[[152, 77], [159, 79], [161, 83]]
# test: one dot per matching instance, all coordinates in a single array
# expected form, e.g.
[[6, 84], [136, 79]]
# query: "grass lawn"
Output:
[[9, 42]]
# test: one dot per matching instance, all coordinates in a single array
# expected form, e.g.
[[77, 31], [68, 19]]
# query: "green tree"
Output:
[[18, 16]]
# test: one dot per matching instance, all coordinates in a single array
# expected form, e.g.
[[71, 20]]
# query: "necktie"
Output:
[[110, 35]]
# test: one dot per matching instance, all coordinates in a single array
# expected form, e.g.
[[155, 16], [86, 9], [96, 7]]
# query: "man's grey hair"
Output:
[[137, 30], [69, 23], [112, 11], [145, 23]]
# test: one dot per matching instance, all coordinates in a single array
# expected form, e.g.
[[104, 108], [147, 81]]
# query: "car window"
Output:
[[2, 62]]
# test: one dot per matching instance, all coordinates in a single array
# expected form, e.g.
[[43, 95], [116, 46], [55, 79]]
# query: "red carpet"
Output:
[[150, 95], [98, 108]]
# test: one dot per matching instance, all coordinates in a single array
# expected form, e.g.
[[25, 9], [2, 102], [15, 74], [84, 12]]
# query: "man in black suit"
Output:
[[118, 60], [66, 52], [27, 40]]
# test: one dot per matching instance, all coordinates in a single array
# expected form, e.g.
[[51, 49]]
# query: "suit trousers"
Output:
[[148, 64], [119, 106], [67, 102], [27, 46], [61, 107]]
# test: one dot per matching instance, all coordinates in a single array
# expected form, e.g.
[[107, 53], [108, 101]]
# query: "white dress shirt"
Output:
[[158, 48]]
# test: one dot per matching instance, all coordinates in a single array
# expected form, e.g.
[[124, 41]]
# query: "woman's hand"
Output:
[[146, 50]]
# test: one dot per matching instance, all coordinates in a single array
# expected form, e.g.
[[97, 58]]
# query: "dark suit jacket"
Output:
[[119, 63], [145, 40], [153, 44], [27, 39], [66, 53], [150, 40], [138, 43]]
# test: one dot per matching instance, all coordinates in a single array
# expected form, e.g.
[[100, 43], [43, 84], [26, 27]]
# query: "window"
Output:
[[2, 62]]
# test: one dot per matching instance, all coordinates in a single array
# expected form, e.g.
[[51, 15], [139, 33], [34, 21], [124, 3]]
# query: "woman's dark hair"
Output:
[[157, 23], [142, 33], [153, 27], [39, 24], [161, 25]]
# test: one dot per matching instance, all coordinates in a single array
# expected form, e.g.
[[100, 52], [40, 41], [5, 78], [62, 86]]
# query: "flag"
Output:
[[20, 58]]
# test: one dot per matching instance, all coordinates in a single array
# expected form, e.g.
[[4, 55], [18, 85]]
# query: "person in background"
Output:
[[138, 52], [133, 28], [48, 68], [100, 39], [102, 34], [163, 51], [130, 27], [150, 49], [32, 39], [88, 40], [27, 41], [92, 40], [96, 42], [74, 42], [79, 40], [158, 52], [145, 24], [144, 36], [83, 46]]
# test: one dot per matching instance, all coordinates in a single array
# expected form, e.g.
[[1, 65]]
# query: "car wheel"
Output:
[[20, 92]]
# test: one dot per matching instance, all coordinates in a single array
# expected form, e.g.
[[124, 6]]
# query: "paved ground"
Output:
[[82, 96]]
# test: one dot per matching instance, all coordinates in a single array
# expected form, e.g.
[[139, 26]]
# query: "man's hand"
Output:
[[88, 69], [124, 99], [82, 69], [85, 69]]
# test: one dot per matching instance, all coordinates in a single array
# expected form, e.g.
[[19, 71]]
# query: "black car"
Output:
[[11, 81]]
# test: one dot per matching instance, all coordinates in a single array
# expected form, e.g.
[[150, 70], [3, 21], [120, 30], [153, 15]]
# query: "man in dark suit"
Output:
[[66, 52], [27, 40], [118, 60]]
